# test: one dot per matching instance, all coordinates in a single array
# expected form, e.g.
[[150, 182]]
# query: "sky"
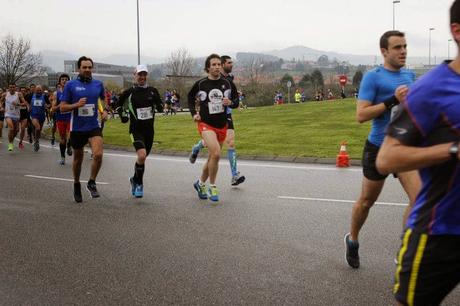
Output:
[[101, 28]]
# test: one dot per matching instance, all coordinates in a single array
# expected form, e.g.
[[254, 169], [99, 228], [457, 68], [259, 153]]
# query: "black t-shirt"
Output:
[[144, 100], [208, 94]]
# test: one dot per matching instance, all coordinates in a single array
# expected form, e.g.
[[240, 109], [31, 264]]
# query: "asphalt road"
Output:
[[275, 240]]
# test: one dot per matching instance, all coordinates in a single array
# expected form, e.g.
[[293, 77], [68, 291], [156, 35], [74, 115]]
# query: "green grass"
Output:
[[312, 129]]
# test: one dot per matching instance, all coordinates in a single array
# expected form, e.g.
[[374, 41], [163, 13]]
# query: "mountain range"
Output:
[[55, 59]]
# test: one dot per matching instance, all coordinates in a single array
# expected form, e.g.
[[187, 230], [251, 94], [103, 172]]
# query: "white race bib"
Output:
[[86, 111], [38, 103], [11, 108], [145, 113], [216, 107]]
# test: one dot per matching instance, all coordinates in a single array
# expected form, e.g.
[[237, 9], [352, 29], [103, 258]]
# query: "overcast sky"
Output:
[[103, 27]]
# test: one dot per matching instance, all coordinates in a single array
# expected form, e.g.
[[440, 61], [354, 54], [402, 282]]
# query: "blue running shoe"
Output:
[[213, 193], [133, 185], [139, 191], [201, 190]]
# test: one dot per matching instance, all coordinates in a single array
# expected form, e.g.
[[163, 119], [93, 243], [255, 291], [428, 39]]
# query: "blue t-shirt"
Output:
[[431, 116], [59, 115], [38, 104], [378, 85], [83, 119]]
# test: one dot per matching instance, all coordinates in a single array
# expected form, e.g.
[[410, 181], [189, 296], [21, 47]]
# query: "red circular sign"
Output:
[[343, 80]]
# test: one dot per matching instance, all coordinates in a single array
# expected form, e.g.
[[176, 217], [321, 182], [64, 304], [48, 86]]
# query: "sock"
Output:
[[231, 154], [62, 149], [139, 173], [200, 182], [198, 146]]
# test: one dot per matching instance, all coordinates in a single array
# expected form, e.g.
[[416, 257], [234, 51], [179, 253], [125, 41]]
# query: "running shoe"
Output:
[[30, 139], [36, 146], [53, 141], [10, 147], [91, 187], [139, 191], [133, 185], [21, 145], [238, 179], [77, 192], [352, 255], [201, 190], [69, 151], [213, 193], [193, 155], [62, 161]]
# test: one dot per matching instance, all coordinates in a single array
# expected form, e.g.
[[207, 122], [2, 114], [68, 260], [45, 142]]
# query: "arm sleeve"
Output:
[[191, 99], [367, 90], [123, 96], [234, 98], [102, 92], [157, 101]]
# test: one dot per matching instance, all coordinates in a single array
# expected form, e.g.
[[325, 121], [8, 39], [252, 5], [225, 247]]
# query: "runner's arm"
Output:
[[2, 102], [22, 101], [192, 99], [234, 97], [157, 101]]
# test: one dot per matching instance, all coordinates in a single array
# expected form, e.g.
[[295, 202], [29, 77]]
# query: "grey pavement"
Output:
[[277, 239]]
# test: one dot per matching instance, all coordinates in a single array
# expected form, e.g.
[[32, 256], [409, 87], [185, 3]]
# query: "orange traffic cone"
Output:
[[343, 159]]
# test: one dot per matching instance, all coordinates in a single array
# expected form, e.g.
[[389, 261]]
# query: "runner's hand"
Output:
[[226, 101], [104, 116], [197, 117], [81, 102], [401, 93]]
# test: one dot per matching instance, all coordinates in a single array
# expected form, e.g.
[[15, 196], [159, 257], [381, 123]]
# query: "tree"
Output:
[[305, 81], [317, 79], [357, 78], [287, 77], [17, 63], [180, 63], [323, 60]]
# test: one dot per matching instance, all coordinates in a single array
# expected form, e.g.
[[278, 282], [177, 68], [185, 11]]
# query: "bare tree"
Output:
[[254, 69], [17, 62], [180, 63]]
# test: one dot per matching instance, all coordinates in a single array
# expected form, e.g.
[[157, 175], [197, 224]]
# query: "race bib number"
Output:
[[11, 108], [86, 111], [216, 107], [38, 103], [144, 113]]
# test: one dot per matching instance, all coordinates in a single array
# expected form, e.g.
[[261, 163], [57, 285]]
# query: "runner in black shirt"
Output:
[[140, 101], [213, 94]]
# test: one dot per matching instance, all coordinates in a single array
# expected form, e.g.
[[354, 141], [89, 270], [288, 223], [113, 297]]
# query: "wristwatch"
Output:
[[453, 151]]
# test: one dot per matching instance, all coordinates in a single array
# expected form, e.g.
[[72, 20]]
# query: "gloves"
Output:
[[390, 102]]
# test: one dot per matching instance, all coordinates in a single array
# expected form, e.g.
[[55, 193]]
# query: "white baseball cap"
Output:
[[141, 68]]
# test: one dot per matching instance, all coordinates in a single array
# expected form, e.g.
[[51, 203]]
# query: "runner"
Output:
[[11, 102], [62, 119], [237, 178], [425, 135], [378, 94], [39, 103], [214, 94], [81, 96], [2, 115], [24, 117], [141, 101]]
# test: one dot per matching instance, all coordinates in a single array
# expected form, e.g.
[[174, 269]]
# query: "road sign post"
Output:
[[289, 84]]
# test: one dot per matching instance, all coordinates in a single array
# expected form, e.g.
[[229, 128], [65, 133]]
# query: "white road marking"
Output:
[[337, 200], [59, 179]]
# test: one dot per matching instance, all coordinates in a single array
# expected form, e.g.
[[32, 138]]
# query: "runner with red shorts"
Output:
[[213, 94], [62, 120]]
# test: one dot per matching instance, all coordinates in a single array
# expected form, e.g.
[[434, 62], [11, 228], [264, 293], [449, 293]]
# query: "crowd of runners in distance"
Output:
[[414, 138]]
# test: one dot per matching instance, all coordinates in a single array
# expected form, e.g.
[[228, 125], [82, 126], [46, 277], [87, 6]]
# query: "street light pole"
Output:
[[429, 47], [394, 2], [138, 38], [448, 48]]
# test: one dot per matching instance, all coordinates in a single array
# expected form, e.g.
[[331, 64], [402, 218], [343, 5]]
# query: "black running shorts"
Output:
[[79, 139], [142, 139], [428, 268], [369, 157]]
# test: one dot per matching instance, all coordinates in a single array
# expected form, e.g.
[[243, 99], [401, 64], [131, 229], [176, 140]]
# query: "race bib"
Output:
[[86, 111], [11, 108], [145, 113], [216, 107], [38, 103]]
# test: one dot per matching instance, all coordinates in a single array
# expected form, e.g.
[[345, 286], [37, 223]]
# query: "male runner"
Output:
[[226, 72], [39, 102], [62, 119], [380, 91], [425, 135], [2, 115], [214, 94], [81, 96], [141, 101], [11, 102], [24, 117]]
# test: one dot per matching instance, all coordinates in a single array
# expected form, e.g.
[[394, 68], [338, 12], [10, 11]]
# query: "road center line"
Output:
[[59, 179], [337, 200]]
